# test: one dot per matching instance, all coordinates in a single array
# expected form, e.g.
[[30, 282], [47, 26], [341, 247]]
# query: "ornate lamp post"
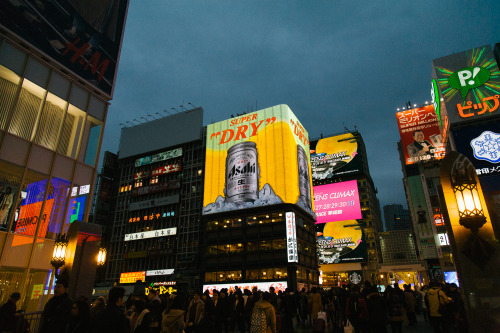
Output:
[[59, 254]]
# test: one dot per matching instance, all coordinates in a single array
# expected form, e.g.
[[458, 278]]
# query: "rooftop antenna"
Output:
[[129, 123], [137, 121], [174, 109], [159, 115], [182, 106], [144, 118], [194, 107], [167, 112], [122, 124], [151, 116]]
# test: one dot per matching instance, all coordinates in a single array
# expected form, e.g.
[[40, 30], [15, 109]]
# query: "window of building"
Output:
[[154, 180]]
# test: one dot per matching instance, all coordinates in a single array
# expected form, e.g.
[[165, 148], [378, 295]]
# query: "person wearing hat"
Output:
[[8, 314]]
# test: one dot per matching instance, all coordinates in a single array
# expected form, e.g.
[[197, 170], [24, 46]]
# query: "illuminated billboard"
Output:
[[337, 202], [291, 238], [420, 135], [334, 156], [83, 36], [53, 214], [469, 83], [132, 277], [340, 242], [231, 287], [258, 159]]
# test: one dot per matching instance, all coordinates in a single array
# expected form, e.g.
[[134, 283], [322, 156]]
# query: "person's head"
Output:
[[152, 294], [407, 287], [61, 287], [116, 295], [80, 309], [355, 290], [178, 302], [216, 295], [271, 290], [314, 290], [453, 286], [8, 190], [418, 135], [14, 297], [266, 296], [196, 296], [222, 293], [433, 284], [139, 305]]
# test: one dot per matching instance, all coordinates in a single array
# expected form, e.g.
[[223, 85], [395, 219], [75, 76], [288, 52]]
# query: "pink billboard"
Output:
[[337, 202]]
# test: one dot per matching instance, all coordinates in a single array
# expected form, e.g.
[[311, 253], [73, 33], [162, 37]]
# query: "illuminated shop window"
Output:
[[138, 183], [154, 180]]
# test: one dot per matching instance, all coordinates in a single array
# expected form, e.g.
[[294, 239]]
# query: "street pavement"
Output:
[[421, 327]]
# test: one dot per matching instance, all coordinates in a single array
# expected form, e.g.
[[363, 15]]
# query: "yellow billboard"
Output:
[[257, 159]]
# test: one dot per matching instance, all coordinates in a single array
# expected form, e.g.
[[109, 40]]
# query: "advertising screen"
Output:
[[336, 155], [258, 159], [469, 83], [337, 243], [83, 36], [451, 277], [420, 135], [337, 202], [132, 277], [231, 287]]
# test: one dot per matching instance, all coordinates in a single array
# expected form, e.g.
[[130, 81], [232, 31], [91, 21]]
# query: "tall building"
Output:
[[397, 218], [257, 203], [348, 209], [154, 231], [421, 150], [57, 71]]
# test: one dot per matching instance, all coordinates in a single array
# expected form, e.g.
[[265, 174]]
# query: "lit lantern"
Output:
[[59, 254], [101, 257]]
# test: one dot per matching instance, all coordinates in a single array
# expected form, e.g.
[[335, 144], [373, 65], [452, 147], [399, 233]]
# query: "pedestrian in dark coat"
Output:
[[112, 319], [80, 314], [57, 312], [377, 311], [141, 319], [237, 312], [154, 306], [8, 313]]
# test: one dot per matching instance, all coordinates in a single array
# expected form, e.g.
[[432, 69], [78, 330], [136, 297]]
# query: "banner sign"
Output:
[[155, 188], [158, 157], [151, 234], [169, 200], [258, 159], [132, 277], [85, 37], [337, 202], [168, 271], [231, 287], [291, 238], [420, 135]]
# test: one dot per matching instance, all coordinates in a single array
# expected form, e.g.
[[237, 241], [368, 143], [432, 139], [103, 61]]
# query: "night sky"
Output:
[[336, 64]]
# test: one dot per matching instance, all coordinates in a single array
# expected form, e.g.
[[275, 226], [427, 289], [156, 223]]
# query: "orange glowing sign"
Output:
[[132, 277], [28, 218]]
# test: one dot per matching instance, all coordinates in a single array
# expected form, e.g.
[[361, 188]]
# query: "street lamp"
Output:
[[59, 254], [101, 257]]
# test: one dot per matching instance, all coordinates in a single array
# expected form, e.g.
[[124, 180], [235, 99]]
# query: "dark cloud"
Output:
[[335, 63]]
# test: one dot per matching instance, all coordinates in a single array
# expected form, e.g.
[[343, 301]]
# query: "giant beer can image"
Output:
[[304, 181], [242, 173]]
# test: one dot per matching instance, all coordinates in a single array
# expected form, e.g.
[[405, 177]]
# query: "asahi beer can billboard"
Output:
[[257, 159]]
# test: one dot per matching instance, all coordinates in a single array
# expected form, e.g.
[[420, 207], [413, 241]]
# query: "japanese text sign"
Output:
[[337, 202]]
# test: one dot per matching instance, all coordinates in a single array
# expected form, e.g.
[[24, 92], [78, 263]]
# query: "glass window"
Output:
[[70, 133], [59, 86], [265, 245], [50, 121], [27, 109], [91, 138], [12, 58], [10, 178], [9, 82], [79, 97], [212, 250], [97, 108], [252, 246], [279, 244], [37, 73], [252, 274]]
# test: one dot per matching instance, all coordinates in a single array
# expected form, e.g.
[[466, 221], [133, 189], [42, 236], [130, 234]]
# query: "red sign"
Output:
[[28, 218], [142, 174], [131, 277], [420, 135], [166, 169]]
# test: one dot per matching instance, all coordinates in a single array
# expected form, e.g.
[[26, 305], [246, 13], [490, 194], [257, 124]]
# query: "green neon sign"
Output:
[[468, 78], [435, 99]]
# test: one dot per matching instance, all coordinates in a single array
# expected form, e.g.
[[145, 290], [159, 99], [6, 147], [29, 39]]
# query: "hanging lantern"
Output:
[[101, 257], [59, 254]]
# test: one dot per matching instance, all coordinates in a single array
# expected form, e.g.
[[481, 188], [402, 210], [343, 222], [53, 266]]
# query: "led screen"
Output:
[[258, 159], [451, 277], [340, 242], [231, 287], [469, 83], [337, 202], [420, 135], [334, 156], [132, 277]]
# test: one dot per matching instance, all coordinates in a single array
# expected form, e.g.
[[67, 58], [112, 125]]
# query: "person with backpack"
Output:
[[395, 310], [377, 311], [437, 302], [263, 316], [356, 311]]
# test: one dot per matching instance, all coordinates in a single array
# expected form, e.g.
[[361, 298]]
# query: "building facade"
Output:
[[52, 117], [397, 218]]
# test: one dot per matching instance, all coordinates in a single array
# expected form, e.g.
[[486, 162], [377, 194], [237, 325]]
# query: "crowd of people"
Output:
[[365, 309]]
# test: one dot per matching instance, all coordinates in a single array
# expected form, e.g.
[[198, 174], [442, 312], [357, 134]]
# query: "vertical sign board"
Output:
[[291, 238], [422, 217], [258, 159]]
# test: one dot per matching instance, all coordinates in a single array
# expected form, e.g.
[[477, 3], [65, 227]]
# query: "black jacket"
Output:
[[111, 320], [56, 314]]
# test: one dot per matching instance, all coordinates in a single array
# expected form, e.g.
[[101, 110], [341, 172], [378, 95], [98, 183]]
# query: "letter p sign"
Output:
[[468, 78]]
